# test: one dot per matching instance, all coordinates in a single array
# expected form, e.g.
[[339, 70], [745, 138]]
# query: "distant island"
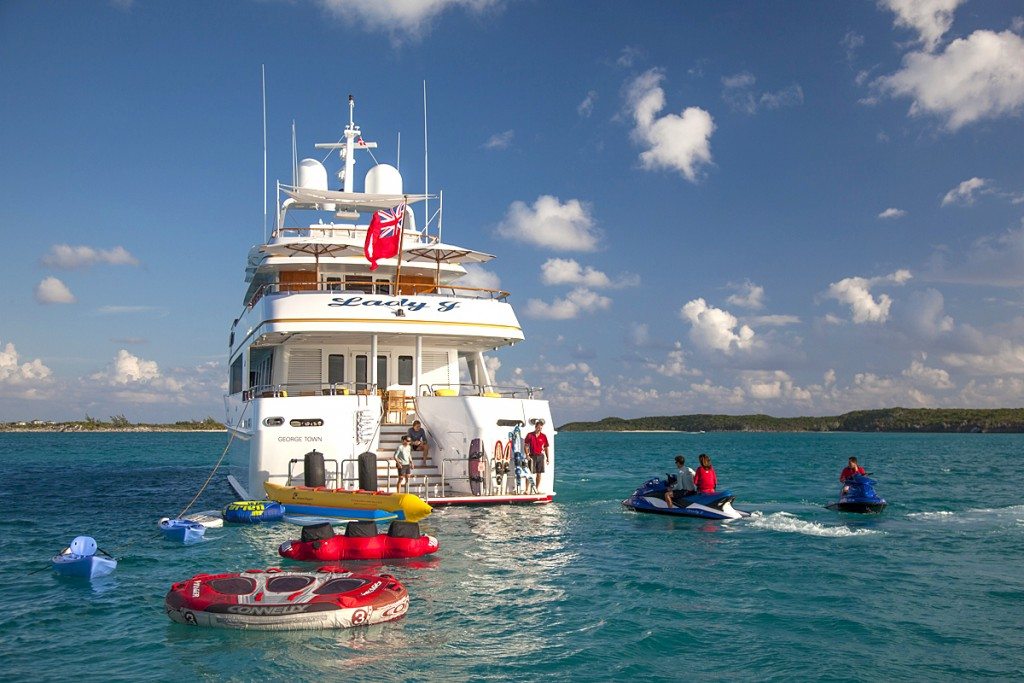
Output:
[[117, 423], [949, 420]]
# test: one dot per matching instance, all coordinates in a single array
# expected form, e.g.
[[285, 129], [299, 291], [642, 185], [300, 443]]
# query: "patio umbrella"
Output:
[[440, 252], [315, 247]]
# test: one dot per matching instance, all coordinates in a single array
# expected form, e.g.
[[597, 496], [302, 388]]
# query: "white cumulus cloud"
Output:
[[127, 369], [679, 142], [68, 257], [856, 292], [892, 213], [401, 19], [477, 276], [13, 372], [932, 378], [715, 329], [748, 295], [974, 78], [53, 291], [930, 19], [965, 192], [558, 271], [552, 224], [579, 300], [674, 365]]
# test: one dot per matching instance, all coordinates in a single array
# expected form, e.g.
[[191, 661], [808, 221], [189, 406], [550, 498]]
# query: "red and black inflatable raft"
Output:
[[278, 600], [360, 542]]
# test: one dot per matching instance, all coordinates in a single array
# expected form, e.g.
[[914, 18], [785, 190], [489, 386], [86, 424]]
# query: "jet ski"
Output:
[[651, 498], [858, 495]]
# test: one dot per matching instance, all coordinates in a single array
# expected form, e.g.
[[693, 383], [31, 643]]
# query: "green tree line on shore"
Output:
[[955, 420], [114, 424]]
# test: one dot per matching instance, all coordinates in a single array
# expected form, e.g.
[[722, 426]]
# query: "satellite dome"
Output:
[[383, 179], [312, 175]]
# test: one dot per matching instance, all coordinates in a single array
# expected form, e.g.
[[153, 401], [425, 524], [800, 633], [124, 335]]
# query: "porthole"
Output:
[[307, 422], [273, 421]]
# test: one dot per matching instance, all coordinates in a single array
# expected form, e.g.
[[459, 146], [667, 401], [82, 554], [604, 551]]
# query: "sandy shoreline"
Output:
[[128, 430]]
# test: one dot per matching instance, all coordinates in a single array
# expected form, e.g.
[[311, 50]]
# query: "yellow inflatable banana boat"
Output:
[[336, 502]]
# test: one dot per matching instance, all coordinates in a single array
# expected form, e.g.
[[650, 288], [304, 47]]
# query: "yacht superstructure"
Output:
[[329, 355]]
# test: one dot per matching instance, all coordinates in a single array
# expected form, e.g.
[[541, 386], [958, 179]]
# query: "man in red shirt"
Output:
[[851, 469], [537, 449]]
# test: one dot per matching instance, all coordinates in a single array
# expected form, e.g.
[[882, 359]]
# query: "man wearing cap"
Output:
[[537, 449]]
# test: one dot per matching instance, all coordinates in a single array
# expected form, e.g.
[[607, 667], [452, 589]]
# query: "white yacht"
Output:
[[329, 356]]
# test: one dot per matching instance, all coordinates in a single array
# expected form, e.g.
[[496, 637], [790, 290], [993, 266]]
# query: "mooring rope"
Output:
[[215, 467]]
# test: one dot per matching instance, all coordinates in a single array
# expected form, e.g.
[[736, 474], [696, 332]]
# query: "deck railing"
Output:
[[285, 390], [485, 390]]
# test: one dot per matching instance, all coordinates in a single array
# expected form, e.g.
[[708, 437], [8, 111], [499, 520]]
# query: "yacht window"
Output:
[[383, 287], [260, 367], [405, 370], [335, 368], [363, 381], [361, 378], [236, 375], [359, 283], [334, 284]]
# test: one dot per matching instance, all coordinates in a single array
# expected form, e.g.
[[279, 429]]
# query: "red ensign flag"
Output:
[[383, 235]]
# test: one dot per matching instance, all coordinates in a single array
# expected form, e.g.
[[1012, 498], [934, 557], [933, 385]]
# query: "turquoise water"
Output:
[[932, 589]]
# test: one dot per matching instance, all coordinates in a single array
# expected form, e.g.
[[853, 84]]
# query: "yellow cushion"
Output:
[[445, 392], [491, 394]]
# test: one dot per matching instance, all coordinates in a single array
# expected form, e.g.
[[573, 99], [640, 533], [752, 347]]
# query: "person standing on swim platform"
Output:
[[403, 460], [705, 477], [684, 485], [537, 448]]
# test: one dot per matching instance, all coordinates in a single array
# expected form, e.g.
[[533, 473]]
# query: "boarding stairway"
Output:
[[424, 480]]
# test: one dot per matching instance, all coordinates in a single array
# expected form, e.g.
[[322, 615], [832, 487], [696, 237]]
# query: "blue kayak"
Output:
[[80, 560], [182, 530]]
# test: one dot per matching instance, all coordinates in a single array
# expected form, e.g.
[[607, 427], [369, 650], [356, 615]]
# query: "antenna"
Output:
[[263, 79], [426, 166], [398, 157], [440, 214], [295, 158]]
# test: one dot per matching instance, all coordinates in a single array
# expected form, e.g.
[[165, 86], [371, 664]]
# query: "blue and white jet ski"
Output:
[[651, 498], [858, 495]]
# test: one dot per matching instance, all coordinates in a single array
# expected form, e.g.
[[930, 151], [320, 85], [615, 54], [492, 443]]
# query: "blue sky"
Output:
[[795, 208]]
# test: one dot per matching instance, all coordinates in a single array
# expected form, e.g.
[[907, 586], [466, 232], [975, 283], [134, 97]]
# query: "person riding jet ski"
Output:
[[683, 484]]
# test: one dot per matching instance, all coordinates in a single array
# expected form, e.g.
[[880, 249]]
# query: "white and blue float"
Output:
[[79, 559], [182, 530]]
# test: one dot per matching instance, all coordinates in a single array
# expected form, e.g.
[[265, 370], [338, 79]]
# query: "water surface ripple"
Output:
[[929, 590]]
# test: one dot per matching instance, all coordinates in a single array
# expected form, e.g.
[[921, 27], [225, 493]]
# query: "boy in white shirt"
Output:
[[684, 482], [403, 459]]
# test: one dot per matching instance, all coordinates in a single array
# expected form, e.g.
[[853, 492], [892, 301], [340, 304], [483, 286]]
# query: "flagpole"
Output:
[[401, 243]]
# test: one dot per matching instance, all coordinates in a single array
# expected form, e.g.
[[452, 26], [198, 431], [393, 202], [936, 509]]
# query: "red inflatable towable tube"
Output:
[[360, 542], [276, 599]]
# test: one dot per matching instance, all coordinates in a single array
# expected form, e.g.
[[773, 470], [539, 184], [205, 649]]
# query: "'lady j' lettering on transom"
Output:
[[408, 304]]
